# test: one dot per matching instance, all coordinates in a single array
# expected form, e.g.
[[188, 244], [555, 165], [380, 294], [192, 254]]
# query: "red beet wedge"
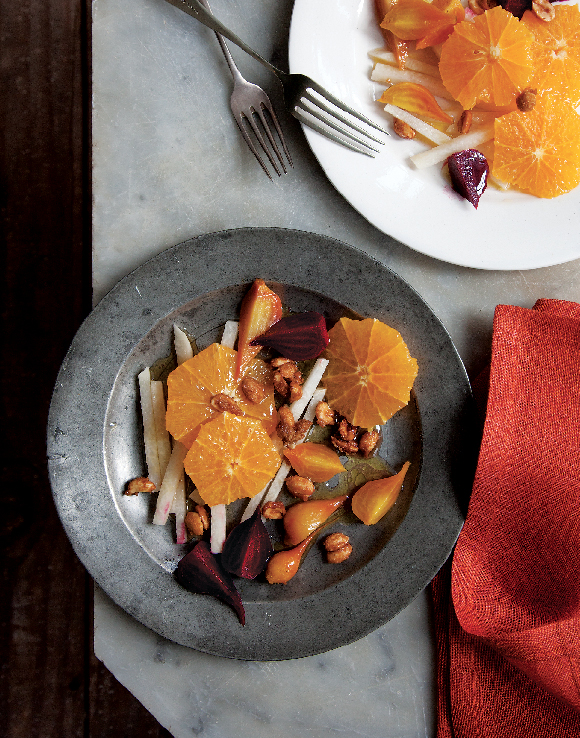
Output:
[[247, 548], [468, 170], [200, 571], [297, 337]]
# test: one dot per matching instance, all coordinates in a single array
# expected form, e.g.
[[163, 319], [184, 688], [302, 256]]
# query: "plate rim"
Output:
[[105, 545]]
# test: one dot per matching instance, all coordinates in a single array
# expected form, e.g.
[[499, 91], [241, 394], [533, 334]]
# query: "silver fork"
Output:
[[249, 100], [319, 111]]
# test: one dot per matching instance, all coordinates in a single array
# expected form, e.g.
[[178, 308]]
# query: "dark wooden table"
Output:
[[51, 685]]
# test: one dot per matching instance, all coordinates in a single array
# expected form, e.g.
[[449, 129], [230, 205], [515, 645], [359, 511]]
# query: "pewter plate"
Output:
[[94, 446]]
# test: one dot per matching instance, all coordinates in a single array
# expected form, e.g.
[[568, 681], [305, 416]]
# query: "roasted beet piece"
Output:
[[247, 548], [516, 7], [468, 170], [200, 571], [297, 337]]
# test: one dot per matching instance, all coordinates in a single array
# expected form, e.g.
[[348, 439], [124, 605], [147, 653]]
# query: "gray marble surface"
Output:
[[169, 164]]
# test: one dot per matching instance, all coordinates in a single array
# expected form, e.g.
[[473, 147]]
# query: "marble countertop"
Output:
[[169, 164]]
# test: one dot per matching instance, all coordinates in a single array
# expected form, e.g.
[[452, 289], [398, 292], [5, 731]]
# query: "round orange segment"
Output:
[[556, 52], [370, 372], [487, 60], [538, 151], [232, 457], [191, 386]]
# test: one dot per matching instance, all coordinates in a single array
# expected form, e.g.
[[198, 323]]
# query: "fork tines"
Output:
[[255, 126], [313, 110]]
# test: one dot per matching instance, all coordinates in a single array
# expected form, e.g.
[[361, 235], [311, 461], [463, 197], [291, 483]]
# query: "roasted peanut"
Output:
[[324, 414], [194, 524], [347, 447], [403, 129], [253, 390], [278, 361], [338, 548], [526, 100], [224, 403], [300, 487], [273, 510], [289, 370], [280, 384], [347, 431], [368, 442], [544, 10], [140, 484], [295, 391]]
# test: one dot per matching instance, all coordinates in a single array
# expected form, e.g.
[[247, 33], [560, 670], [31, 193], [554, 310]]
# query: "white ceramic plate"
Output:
[[330, 43]]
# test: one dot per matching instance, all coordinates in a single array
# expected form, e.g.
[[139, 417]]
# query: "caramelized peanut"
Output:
[[224, 403], [324, 414], [300, 487], [140, 484], [368, 442], [253, 390], [273, 510]]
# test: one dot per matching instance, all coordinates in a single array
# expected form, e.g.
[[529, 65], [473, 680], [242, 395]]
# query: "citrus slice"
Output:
[[487, 60], [192, 385], [538, 151], [232, 457], [370, 371], [556, 52]]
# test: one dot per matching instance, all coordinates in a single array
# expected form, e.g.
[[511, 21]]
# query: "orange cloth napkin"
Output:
[[507, 605]]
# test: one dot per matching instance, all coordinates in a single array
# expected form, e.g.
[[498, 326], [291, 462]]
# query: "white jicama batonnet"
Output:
[[183, 352], [386, 75], [230, 334], [438, 154], [161, 434], [179, 508], [149, 430], [309, 387], [424, 129], [218, 512], [273, 488], [218, 528], [183, 348], [169, 484]]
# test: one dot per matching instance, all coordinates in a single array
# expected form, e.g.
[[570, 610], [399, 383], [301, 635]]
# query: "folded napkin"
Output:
[[507, 605]]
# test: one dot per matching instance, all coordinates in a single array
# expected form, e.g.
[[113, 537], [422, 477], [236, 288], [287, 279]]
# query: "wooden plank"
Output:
[[50, 684]]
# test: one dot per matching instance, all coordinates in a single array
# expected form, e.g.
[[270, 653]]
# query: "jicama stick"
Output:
[[272, 489], [169, 484], [424, 129], [438, 154], [179, 507], [161, 434], [149, 435], [218, 512], [309, 387], [386, 75], [183, 348], [230, 334], [218, 528], [382, 56]]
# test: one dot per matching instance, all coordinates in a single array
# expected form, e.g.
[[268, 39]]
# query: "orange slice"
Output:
[[487, 60], [370, 371], [556, 52], [538, 151], [191, 386], [232, 457]]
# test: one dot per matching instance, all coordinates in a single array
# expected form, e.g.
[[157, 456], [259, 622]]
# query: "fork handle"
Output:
[[200, 13]]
